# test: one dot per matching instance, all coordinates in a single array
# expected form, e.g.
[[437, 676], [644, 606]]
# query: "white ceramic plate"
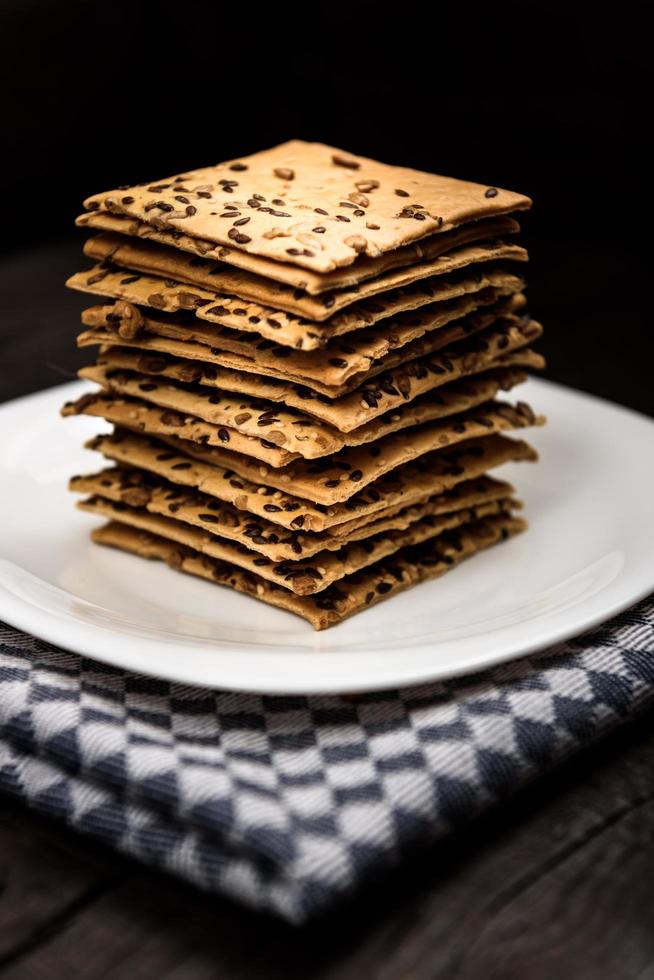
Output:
[[587, 555]]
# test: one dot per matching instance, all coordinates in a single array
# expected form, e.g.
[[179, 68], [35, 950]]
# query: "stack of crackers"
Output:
[[301, 353]]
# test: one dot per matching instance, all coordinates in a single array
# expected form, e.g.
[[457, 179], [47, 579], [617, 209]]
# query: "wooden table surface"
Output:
[[557, 884]]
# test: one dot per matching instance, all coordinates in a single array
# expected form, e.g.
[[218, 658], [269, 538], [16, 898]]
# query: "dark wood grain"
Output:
[[555, 885]]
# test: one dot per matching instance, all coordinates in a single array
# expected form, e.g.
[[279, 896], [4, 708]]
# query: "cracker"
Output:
[[473, 386], [333, 377], [356, 593], [326, 480], [296, 434], [345, 360], [458, 297], [469, 494], [138, 488], [289, 431], [278, 283], [398, 379], [433, 474], [396, 206], [286, 329], [334, 479], [304, 435], [134, 414], [300, 576]]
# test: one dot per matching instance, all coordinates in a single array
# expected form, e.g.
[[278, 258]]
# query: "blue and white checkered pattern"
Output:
[[286, 803]]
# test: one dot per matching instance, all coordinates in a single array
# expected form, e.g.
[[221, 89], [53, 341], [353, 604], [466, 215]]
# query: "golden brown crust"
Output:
[[354, 594], [423, 365], [325, 480], [397, 205], [297, 432], [138, 488], [433, 474], [299, 575], [285, 286], [167, 296]]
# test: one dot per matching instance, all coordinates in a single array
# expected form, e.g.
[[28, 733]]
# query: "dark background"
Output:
[[544, 98]]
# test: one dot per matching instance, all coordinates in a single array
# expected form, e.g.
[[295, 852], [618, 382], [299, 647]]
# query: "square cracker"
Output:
[[182, 361], [364, 207], [139, 488], [423, 365], [433, 474], [297, 432], [275, 284], [299, 575], [325, 480], [341, 360], [335, 479], [468, 270], [329, 372], [355, 594]]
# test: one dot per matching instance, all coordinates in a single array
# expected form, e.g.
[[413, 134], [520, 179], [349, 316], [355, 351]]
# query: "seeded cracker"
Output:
[[327, 480], [335, 290], [287, 283], [137, 488], [342, 357], [165, 302], [336, 375], [357, 592], [221, 309], [256, 421], [308, 437], [301, 576], [385, 395], [411, 374], [361, 206], [301, 356], [432, 474]]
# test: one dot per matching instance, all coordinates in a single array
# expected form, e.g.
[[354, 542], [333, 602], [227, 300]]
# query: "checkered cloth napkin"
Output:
[[287, 803]]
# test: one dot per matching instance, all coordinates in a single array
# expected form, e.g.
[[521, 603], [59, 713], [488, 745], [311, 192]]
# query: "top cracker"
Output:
[[309, 204]]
